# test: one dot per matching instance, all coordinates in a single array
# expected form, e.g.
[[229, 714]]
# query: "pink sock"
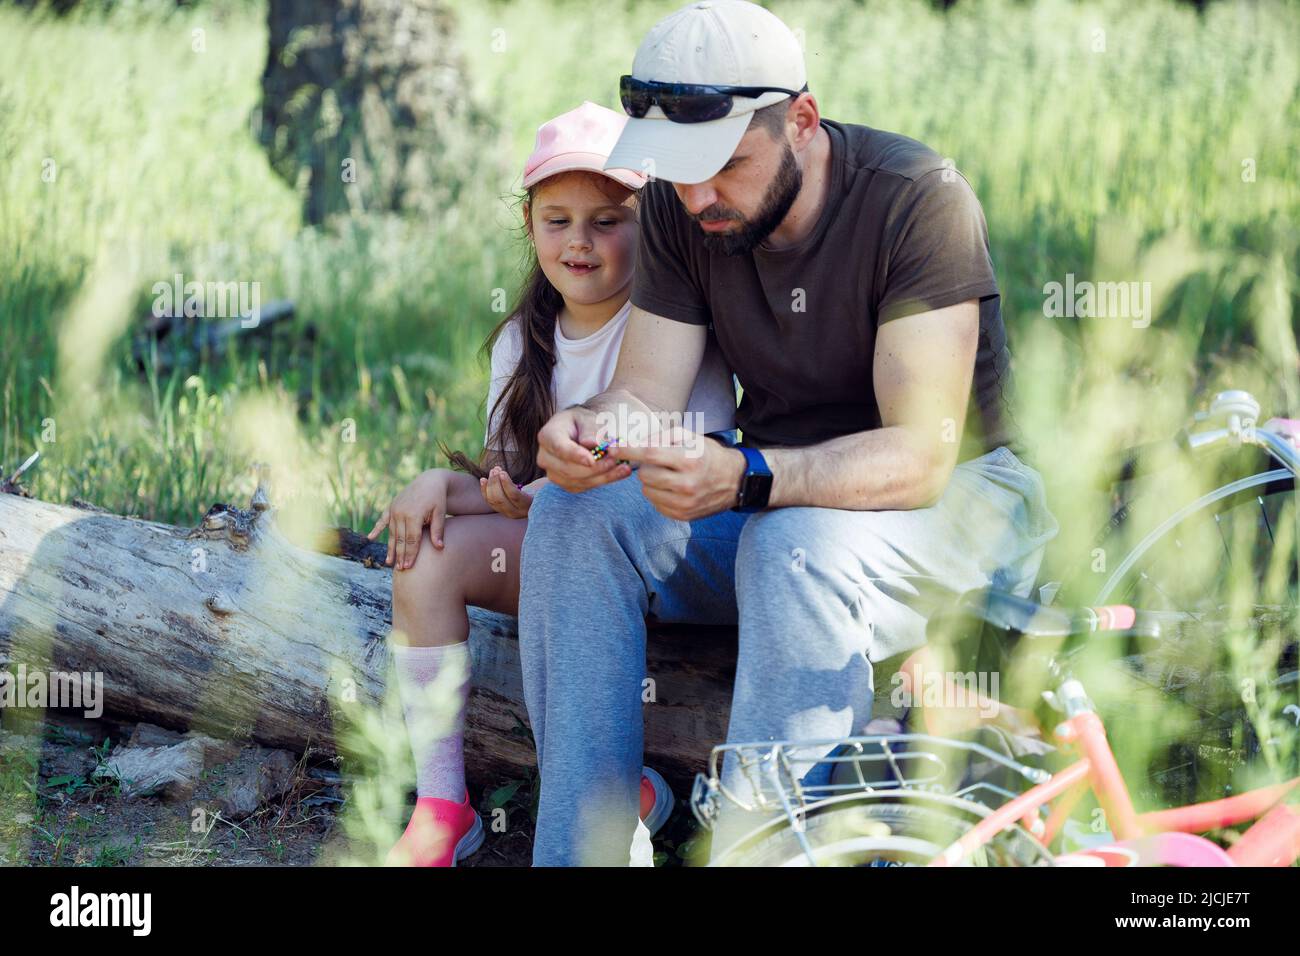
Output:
[[435, 716]]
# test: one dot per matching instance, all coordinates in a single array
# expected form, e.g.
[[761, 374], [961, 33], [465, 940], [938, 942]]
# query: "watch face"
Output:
[[754, 491]]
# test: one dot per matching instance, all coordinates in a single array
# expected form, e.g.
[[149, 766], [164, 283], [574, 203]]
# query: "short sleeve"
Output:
[[665, 282], [505, 358], [938, 248]]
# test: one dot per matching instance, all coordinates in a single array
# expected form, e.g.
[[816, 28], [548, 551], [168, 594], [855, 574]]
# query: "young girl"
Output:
[[559, 347]]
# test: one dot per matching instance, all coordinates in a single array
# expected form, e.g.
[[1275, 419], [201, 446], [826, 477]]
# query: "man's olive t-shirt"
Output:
[[901, 232]]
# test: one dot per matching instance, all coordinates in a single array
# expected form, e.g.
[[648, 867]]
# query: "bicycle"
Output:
[[1190, 556], [1238, 412], [923, 807], [899, 804], [1160, 838]]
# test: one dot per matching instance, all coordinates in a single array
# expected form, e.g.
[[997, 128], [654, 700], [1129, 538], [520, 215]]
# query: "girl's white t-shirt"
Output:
[[585, 366]]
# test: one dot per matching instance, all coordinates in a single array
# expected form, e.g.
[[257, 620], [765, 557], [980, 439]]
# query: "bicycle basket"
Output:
[[774, 776]]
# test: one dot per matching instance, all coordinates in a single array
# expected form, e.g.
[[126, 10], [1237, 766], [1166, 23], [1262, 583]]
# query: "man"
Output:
[[846, 276]]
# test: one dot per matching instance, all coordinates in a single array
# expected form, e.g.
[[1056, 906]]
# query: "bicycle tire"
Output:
[[902, 828], [1278, 481], [1222, 712]]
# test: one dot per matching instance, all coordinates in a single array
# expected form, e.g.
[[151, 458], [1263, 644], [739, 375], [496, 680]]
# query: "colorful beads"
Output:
[[601, 450]]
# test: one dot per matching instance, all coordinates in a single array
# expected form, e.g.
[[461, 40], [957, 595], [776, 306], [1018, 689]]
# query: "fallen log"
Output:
[[231, 630]]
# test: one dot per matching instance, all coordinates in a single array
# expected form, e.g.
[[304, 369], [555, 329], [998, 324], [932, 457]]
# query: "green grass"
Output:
[[1125, 163], [156, 174]]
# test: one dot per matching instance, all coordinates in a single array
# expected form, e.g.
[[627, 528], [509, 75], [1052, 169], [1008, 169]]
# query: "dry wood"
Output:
[[231, 630]]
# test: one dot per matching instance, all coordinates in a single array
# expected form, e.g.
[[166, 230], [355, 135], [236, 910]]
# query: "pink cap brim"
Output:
[[588, 162]]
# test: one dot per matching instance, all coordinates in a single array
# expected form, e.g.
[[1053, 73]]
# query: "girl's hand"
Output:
[[500, 492], [423, 501], [535, 486]]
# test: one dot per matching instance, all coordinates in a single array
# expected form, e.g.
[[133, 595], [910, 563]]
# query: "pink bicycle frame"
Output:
[[1162, 838]]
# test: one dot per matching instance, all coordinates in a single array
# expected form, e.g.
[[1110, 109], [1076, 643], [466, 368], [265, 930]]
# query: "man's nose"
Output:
[[697, 197]]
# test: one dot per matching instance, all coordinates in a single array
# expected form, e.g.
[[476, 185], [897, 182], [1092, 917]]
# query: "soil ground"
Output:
[[54, 812]]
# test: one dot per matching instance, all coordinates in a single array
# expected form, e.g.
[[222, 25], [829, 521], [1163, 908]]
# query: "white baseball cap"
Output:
[[716, 42]]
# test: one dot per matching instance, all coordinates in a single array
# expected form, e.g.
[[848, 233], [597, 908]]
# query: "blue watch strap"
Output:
[[757, 463]]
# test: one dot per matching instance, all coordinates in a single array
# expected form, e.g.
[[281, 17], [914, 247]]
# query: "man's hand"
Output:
[[564, 452], [693, 477]]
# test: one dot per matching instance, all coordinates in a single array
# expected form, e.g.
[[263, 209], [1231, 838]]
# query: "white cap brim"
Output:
[[678, 152]]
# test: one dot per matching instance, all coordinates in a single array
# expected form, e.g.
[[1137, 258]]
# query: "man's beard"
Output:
[[780, 196]]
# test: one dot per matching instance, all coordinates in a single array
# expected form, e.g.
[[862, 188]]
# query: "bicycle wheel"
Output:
[[882, 830], [1151, 575], [1224, 566]]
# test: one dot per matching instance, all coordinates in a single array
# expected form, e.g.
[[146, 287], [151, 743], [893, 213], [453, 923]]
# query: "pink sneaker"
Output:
[[656, 800], [440, 833]]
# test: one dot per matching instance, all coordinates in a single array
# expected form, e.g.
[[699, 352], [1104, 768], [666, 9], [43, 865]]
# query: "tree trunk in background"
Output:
[[365, 106]]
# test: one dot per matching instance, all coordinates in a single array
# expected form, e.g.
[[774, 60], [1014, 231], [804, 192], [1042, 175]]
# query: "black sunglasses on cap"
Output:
[[687, 102]]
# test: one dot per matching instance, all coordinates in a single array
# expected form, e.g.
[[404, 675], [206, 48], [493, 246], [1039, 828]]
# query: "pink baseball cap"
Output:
[[579, 139]]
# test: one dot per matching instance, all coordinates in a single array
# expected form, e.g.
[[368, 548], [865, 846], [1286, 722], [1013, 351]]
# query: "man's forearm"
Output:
[[612, 399], [885, 469]]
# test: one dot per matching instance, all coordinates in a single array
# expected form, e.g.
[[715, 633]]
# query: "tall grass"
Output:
[[1116, 155]]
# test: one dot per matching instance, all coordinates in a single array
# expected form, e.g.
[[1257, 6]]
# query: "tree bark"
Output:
[[365, 106], [231, 630]]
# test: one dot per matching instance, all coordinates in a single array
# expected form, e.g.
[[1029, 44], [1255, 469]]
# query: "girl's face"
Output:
[[585, 229]]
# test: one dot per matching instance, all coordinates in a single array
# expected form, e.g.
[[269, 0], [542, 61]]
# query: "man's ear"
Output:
[[808, 111]]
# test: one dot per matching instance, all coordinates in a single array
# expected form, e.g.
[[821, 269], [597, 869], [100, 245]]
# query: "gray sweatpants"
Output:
[[819, 595]]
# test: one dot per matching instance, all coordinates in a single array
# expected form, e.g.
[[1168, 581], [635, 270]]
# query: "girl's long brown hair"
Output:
[[526, 400]]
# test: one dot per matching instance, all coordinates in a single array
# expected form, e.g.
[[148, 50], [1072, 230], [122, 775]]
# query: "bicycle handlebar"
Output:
[[1238, 410]]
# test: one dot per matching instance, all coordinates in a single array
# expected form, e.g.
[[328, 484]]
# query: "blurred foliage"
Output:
[[1121, 163]]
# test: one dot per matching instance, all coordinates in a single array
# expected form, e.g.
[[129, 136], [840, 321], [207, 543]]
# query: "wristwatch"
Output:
[[755, 484]]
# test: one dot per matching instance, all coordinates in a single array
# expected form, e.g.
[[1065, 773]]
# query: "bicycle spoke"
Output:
[[1173, 605], [1222, 537], [1182, 568], [1267, 524]]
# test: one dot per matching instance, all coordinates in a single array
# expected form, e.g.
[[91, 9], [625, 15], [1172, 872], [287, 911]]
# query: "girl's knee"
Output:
[[430, 570]]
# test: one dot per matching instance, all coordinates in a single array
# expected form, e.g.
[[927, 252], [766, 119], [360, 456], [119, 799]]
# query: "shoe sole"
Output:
[[468, 844], [664, 800]]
